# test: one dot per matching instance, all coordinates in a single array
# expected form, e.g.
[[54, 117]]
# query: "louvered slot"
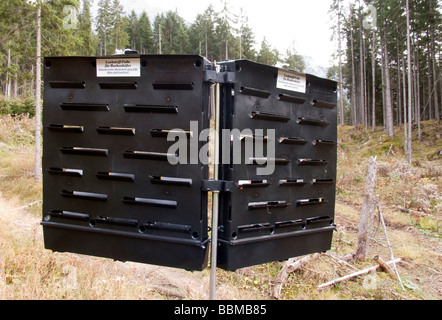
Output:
[[67, 84], [162, 133], [289, 223], [267, 204], [116, 176], [117, 221], [262, 161], [164, 226], [308, 202], [253, 137], [130, 85], [66, 172], [65, 128], [173, 85], [85, 151], [323, 142], [148, 155], [116, 131], [254, 227], [84, 195], [150, 108], [255, 92], [253, 183], [312, 162], [323, 104], [150, 202], [323, 181], [289, 98], [269, 116], [292, 140], [313, 122], [170, 181], [68, 215], [84, 107], [320, 219], [292, 182]]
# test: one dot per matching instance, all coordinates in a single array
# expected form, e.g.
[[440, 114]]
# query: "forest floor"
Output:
[[28, 271]]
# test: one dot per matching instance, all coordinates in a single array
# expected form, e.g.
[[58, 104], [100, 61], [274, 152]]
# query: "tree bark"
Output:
[[37, 162], [367, 212], [405, 106], [353, 77], [341, 90], [362, 114], [388, 105], [373, 66], [409, 152], [435, 73]]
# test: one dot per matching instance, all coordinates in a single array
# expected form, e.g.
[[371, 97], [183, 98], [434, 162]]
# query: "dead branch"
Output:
[[27, 205], [417, 213], [355, 274], [381, 217], [339, 260], [168, 292], [290, 266]]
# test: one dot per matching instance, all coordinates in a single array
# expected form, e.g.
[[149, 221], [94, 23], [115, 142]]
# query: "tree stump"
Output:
[[367, 213]]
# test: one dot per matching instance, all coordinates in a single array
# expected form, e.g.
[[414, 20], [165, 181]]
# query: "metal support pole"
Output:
[[215, 197]]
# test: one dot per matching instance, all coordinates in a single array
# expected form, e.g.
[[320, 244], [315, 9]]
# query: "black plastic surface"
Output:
[[108, 188], [290, 212]]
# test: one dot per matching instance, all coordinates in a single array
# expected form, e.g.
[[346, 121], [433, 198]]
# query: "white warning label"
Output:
[[292, 81], [118, 67]]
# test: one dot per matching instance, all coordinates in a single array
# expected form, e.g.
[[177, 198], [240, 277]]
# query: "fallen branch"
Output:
[[339, 260], [291, 265], [417, 213], [168, 292], [381, 217], [27, 205], [356, 274]]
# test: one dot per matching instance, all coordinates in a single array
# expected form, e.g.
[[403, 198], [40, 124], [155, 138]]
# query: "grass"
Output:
[[28, 271]]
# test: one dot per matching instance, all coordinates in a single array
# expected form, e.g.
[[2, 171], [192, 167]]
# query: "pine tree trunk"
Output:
[[37, 162], [373, 66], [404, 87], [435, 73], [409, 152], [383, 86], [418, 98], [361, 115], [399, 94], [341, 90], [353, 77], [388, 104]]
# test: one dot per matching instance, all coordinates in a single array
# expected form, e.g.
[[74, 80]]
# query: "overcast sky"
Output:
[[282, 22]]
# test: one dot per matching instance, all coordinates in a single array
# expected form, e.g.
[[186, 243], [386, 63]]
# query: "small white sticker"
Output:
[[292, 81], [118, 67]]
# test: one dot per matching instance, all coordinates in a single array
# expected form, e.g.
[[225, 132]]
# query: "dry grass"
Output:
[[28, 271]]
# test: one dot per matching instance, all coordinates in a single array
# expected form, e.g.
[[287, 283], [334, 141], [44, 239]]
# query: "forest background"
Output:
[[370, 63]]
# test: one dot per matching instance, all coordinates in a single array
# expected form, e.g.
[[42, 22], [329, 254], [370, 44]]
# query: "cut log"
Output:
[[384, 265]]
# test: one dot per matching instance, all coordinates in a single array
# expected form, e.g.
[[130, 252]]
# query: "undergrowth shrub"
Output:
[[17, 106]]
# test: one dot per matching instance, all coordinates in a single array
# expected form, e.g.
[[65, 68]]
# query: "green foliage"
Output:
[[17, 106]]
